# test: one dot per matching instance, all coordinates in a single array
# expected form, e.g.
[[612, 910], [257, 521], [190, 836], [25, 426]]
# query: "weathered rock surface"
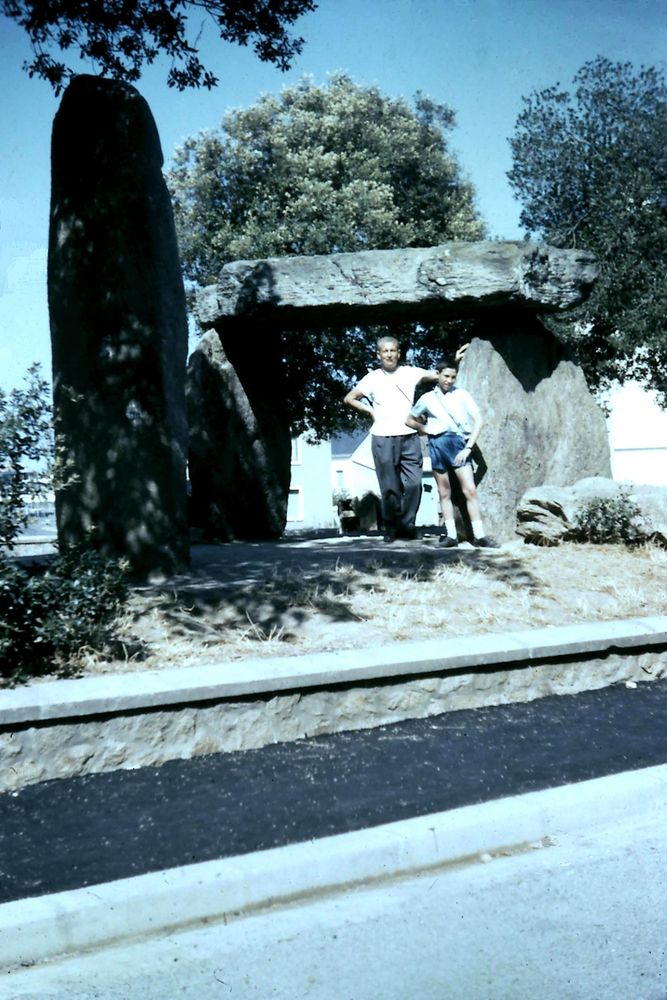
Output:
[[541, 424], [379, 286], [239, 451], [69, 747], [547, 515], [118, 327]]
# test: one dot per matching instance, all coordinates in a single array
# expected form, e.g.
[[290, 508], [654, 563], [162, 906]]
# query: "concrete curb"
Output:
[[69, 699], [34, 930]]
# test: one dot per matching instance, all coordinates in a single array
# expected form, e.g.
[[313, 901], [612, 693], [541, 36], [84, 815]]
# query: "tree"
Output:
[[320, 170], [121, 37], [25, 437], [590, 169]]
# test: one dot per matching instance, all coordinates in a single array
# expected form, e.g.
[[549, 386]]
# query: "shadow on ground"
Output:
[[274, 587]]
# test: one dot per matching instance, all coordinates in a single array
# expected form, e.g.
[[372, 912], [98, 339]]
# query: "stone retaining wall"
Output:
[[33, 751]]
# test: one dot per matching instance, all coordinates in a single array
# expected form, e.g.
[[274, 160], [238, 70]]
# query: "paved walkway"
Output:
[[308, 553], [511, 925]]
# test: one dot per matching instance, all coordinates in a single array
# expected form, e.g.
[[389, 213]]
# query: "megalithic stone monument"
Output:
[[542, 423], [118, 330]]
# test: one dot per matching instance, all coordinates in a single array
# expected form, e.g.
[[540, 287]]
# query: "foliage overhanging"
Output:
[[120, 38]]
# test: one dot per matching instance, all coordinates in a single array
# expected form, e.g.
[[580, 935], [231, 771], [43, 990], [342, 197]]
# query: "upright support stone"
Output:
[[541, 423], [118, 329], [239, 440]]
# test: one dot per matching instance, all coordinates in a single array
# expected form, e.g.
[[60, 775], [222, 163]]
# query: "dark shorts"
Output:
[[444, 448]]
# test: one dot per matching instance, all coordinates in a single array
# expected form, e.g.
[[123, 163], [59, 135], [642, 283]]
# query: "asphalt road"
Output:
[[70, 833], [580, 919]]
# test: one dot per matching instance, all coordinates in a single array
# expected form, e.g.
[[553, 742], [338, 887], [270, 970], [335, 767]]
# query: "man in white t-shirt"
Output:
[[386, 395]]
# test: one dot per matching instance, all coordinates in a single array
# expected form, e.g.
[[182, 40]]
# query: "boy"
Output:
[[452, 420]]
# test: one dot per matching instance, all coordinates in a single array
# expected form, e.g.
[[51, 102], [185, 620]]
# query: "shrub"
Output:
[[614, 520], [50, 614]]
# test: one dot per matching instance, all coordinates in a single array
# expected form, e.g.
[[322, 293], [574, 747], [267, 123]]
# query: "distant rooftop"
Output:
[[342, 445]]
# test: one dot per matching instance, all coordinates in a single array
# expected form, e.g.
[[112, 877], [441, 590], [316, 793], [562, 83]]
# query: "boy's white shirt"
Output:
[[449, 411], [391, 395]]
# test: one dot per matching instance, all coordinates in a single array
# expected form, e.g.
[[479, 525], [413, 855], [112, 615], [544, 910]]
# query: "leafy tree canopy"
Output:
[[590, 169], [321, 170], [121, 36]]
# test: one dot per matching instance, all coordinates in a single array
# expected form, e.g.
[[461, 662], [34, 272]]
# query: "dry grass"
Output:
[[367, 602]]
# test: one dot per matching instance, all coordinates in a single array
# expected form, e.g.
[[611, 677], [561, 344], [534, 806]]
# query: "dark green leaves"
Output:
[[590, 169], [120, 37]]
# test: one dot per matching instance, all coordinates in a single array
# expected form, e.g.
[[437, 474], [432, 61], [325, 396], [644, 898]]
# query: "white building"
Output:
[[353, 473], [310, 504], [637, 436]]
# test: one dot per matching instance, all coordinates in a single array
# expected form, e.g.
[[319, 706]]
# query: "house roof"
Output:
[[342, 445]]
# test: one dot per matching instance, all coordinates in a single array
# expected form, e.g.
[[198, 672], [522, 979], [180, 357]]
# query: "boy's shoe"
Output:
[[485, 543], [410, 534], [389, 535], [448, 542]]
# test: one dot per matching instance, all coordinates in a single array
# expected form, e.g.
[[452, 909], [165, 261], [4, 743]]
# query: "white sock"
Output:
[[450, 525], [478, 529]]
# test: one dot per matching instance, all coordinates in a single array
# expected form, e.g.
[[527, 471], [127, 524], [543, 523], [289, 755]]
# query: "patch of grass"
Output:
[[364, 602]]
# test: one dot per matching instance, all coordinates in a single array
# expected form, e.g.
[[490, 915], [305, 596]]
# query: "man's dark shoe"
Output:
[[485, 543], [410, 534], [389, 535], [447, 542]]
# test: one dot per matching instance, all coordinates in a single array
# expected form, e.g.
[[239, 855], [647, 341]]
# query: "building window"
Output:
[[295, 504], [297, 458]]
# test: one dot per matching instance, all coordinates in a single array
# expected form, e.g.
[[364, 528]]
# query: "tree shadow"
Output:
[[272, 590]]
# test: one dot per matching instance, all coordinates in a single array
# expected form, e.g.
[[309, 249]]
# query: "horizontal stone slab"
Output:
[[382, 285]]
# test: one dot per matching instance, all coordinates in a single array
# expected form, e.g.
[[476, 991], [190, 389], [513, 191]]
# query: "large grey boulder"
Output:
[[239, 451], [118, 329], [378, 286], [547, 515], [541, 423]]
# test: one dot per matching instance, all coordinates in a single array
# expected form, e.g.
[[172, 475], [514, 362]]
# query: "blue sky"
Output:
[[478, 56]]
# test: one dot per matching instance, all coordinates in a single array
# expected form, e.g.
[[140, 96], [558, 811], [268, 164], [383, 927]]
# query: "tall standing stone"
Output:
[[118, 330]]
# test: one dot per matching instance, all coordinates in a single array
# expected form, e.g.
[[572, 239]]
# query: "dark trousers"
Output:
[[398, 465]]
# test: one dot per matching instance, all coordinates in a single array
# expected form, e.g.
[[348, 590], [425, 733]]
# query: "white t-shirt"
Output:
[[455, 410], [391, 395]]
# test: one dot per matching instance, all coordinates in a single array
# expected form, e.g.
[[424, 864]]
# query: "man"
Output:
[[386, 395], [452, 420]]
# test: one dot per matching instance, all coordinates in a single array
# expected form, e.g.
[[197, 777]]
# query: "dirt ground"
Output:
[[301, 595]]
